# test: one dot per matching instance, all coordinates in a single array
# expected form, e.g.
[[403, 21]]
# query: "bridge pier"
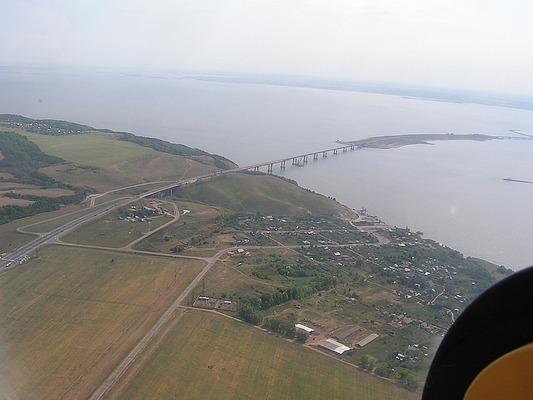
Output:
[[302, 159]]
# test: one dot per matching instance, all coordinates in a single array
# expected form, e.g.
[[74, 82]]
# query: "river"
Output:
[[454, 192]]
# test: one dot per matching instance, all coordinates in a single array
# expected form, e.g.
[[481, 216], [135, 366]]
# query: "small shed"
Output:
[[306, 329]]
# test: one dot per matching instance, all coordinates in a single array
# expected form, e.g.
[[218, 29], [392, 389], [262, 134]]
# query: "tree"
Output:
[[407, 381], [301, 336], [384, 369], [249, 314], [366, 363]]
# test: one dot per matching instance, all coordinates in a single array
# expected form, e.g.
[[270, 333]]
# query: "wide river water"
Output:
[[453, 191]]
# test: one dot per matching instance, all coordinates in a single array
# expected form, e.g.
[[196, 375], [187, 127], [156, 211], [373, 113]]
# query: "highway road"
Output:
[[22, 253], [19, 255]]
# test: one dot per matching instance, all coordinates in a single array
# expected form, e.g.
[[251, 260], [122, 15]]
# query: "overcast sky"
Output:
[[469, 44]]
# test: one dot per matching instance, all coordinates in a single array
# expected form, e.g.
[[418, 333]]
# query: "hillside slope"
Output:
[[261, 193], [49, 153]]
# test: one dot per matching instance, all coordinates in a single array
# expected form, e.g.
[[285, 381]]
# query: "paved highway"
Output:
[[19, 255]]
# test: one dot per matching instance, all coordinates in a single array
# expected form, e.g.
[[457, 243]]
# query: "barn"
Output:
[[370, 338], [334, 346]]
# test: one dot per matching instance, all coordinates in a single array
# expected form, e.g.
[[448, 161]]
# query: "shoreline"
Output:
[[395, 141]]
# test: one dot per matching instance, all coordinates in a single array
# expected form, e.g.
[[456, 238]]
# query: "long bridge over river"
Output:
[[299, 160]]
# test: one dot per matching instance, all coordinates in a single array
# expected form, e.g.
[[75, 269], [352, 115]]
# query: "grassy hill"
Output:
[[48, 127], [48, 154], [261, 193]]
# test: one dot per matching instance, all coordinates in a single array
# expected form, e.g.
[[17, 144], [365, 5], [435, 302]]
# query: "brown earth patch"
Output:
[[98, 179], [66, 328], [6, 175], [164, 167], [13, 185], [6, 201], [51, 192], [225, 238]]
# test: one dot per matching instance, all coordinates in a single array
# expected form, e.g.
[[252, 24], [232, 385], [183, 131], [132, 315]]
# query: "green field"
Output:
[[266, 194], [207, 356], [105, 162], [109, 231], [195, 225], [68, 315], [99, 149]]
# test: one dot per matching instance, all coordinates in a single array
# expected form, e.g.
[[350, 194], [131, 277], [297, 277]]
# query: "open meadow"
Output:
[[110, 231], [205, 356], [107, 162], [97, 148], [196, 227], [68, 315], [266, 194]]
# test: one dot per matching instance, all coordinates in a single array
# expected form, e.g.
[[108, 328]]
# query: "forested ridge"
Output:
[[22, 160]]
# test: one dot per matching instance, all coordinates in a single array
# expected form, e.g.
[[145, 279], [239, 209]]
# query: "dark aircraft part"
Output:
[[494, 326]]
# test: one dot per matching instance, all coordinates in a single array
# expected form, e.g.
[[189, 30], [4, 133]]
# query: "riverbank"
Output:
[[394, 141]]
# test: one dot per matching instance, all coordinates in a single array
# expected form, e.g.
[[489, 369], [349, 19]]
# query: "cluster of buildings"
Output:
[[238, 252], [140, 213], [334, 344], [48, 128], [214, 303]]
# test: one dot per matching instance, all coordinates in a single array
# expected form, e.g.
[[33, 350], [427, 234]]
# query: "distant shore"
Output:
[[516, 180], [394, 141]]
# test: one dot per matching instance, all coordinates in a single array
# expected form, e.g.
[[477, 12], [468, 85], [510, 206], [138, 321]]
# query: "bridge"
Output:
[[299, 160]]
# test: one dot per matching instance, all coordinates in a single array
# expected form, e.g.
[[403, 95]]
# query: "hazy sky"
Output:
[[473, 44]]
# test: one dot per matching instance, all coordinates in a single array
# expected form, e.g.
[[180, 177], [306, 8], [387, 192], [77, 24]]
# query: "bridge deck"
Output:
[[301, 156], [296, 160]]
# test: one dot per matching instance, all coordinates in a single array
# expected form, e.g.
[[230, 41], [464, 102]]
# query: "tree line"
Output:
[[252, 307]]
